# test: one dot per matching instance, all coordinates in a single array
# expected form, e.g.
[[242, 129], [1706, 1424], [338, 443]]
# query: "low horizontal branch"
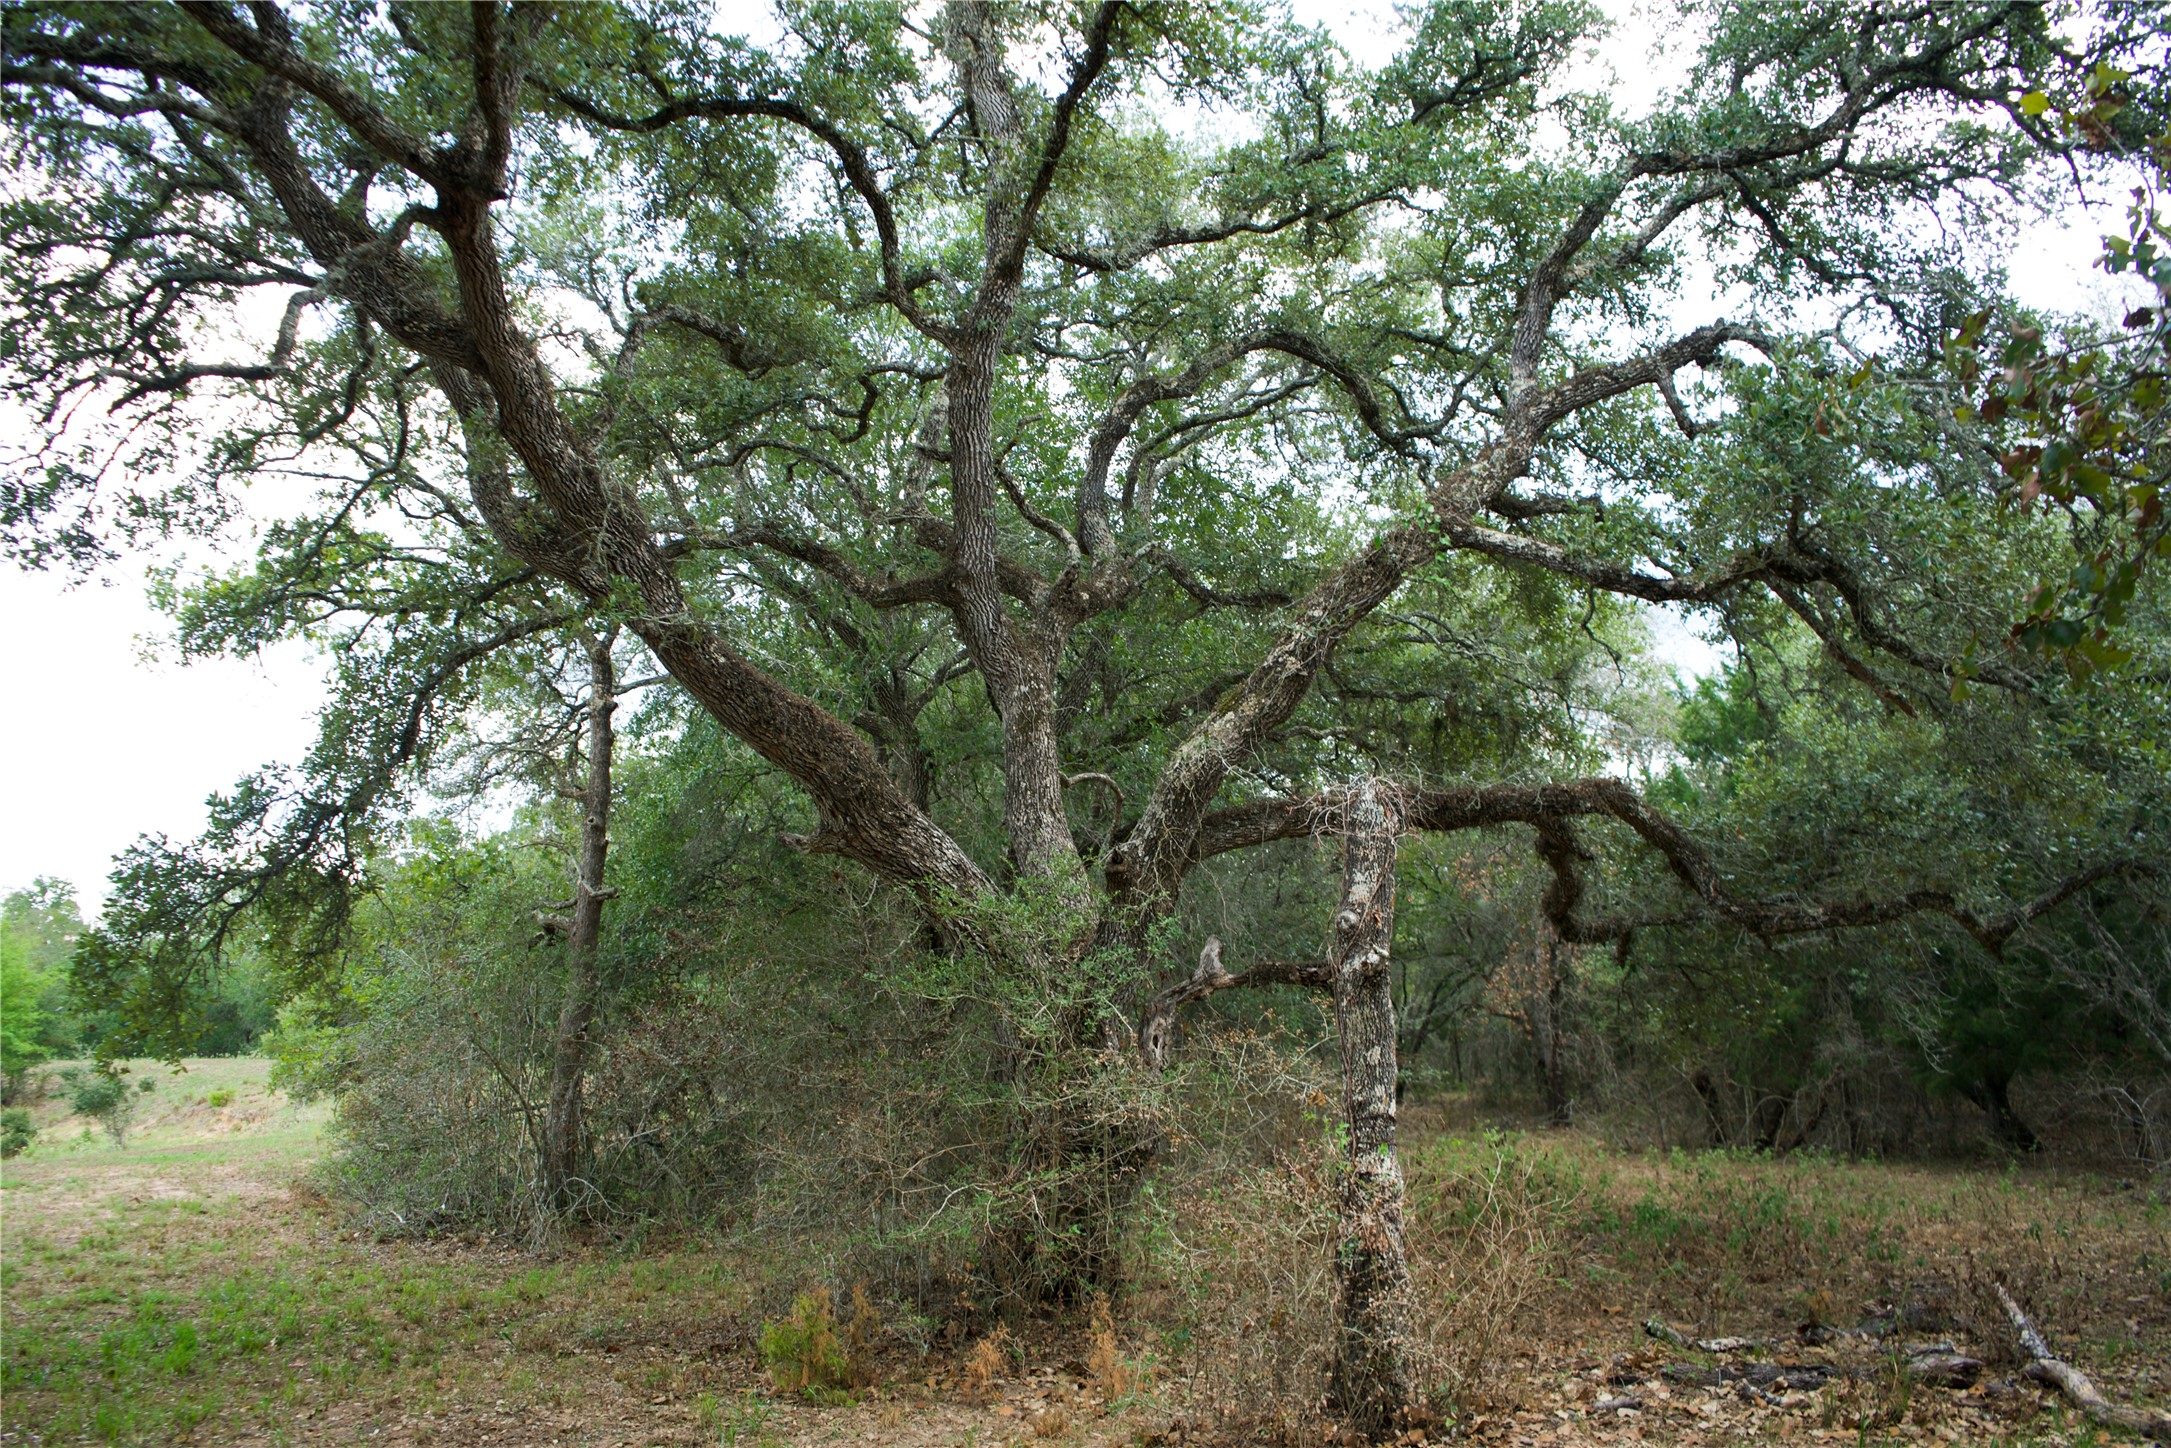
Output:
[[1553, 808]]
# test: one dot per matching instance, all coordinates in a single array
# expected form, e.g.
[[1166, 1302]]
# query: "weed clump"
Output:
[[861, 1332], [1112, 1377], [740, 1424]]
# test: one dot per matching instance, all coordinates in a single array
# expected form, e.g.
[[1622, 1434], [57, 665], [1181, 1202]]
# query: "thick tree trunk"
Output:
[[1993, 1093], [1373, 1382], [563, 1133], [1553, 1042]]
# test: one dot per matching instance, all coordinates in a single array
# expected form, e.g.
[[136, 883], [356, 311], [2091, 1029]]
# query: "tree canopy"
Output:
[[1131, 384]]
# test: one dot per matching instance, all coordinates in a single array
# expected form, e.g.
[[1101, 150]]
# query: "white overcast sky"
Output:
[[109, 740]]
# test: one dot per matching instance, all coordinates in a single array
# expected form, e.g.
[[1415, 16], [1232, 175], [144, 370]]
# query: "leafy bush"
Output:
[[218, 1097], [105, 1098], [16, 1132]]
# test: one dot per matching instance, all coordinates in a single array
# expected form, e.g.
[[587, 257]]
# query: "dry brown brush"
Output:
[[1241, 1274]]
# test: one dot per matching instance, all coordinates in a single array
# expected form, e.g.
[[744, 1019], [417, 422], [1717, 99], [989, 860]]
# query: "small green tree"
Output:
[[100, 1094]]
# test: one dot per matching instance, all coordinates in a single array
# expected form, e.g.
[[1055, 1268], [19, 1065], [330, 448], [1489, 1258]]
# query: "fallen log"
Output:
[[1732, 1344], [1908, 1317], [1780, 1377], [2046, 1366], [1912, 1316], [1654, 1327], [1943, 1367]]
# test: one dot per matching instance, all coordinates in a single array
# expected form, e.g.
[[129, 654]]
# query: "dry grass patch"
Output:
[[1537, 1256]]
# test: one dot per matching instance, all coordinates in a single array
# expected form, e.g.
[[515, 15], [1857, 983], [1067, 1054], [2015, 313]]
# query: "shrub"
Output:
[[217, 1097], [304, 1048], [16, 1132], [802, 1352], [1112, 1377], [105, 1098], [1254, 1284], [985, 1363], [1485, 1222], [861, 1332]]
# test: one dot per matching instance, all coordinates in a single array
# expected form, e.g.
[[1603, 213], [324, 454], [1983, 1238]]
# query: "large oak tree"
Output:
[[1136, 371]]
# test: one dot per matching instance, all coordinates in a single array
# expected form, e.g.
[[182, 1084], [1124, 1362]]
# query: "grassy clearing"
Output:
[[190, 1288]]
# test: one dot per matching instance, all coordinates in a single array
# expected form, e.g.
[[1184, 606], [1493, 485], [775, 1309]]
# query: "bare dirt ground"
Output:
[[192, 1287]]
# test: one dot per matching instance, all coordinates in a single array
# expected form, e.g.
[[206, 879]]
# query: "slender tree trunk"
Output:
[[1707, 1092], [563, 1141], [1372, 1372], [1766, 1117]]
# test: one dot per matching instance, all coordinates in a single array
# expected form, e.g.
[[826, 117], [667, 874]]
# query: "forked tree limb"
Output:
[[1157, 1027], [2046, 1366]]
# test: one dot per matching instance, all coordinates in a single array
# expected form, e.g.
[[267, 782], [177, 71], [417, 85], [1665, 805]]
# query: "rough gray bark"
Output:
[[1016, 660], [563, 1134], [1373, 1381]]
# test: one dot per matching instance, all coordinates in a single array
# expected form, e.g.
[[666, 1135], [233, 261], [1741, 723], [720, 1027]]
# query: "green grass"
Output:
[[201, 1100], [176, 1285]]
